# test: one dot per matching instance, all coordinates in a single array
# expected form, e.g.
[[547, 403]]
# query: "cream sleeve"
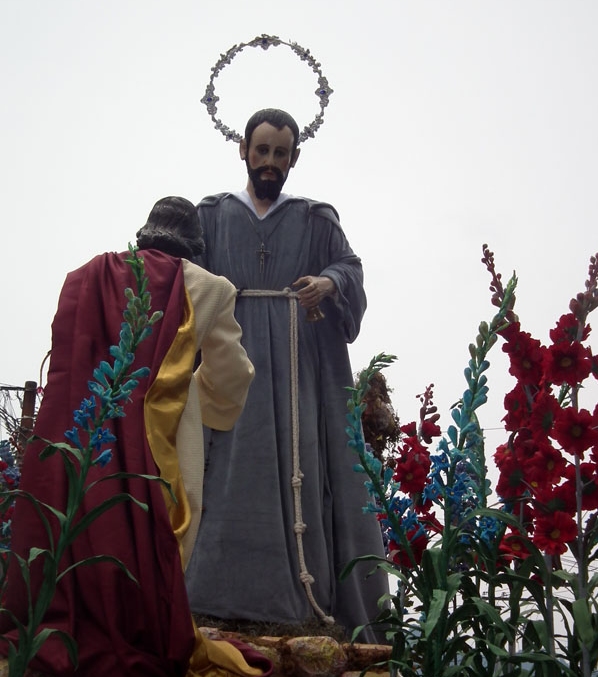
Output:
[[225, 372]]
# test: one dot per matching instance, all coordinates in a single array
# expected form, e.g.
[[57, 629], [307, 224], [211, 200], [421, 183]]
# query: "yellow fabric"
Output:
[[214, 658], [163, 408]]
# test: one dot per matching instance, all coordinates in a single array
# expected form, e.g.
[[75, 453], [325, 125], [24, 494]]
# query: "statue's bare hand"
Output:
[[313, 290]]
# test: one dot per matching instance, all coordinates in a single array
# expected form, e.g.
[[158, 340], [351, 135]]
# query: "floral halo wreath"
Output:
[[264, 41]]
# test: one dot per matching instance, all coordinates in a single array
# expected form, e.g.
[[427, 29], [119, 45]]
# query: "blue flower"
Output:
[[86, 413], [104, 458], [440, 462], [410, 521], [489, 528], [115, 411], [5, 530], [72, 436], [12, 476], [400, 504], [433, 491], [101, 436]]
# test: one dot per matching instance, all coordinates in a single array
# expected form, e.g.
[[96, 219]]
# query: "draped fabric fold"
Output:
[[123, 628]]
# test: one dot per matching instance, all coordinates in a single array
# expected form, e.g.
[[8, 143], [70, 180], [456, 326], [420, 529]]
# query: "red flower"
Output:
[[524, 446], [526, 355], [567, 363], [511, 331], [589, 486], [511, 483], [522, 510], [513, 546], [553, 532], [412, 466], [429, 430], [576, 430], [555, 499], [546, 466], [7, 514], [526, 465], [418, 541], [545, 409], [410, 429], [429, 521], [517, 407], [567, 328], [503, 456]]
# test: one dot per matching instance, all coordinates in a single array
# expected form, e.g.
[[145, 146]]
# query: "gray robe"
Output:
[[245, 561]]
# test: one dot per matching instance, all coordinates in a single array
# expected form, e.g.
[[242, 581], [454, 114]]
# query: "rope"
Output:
[[297, 478]]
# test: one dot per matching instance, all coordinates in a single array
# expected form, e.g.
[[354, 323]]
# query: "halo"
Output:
[[323, 91]]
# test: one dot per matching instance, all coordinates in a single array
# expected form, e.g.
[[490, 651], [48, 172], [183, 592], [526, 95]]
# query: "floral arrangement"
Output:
[[111, 389], [10, 476], [482, 590]]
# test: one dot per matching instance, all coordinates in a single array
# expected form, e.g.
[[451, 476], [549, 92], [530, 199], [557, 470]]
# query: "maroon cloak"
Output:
[[121, 627]]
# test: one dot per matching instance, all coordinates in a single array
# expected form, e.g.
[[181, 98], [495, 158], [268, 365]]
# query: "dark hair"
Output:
[[173, 227], [277, 118]]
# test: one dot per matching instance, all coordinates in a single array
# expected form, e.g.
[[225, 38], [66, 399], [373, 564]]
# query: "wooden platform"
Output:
[[299, 656]]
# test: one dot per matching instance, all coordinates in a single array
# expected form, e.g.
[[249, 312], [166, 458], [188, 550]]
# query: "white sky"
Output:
[[452, 124]]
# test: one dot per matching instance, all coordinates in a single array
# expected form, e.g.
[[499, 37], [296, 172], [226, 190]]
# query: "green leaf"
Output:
[[434, 572], [37, 506], [453, 584], [34, 553], [24, 567], [583, 621], [99, 558], [16, 660], [98, 510], [491, 613], [14, 620], [436, 610], [64, 448], [542, 631], [68, 641], [364, 558], [131, 475], [566, 576]]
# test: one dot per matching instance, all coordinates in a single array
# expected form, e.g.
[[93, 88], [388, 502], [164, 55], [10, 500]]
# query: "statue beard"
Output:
[[266, 189]]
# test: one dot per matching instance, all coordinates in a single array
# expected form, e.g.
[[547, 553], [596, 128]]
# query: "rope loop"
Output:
[[299, 527]]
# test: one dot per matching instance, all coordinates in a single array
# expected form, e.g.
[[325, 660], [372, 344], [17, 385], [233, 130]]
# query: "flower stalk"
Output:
[[87, 446], [455, 557]]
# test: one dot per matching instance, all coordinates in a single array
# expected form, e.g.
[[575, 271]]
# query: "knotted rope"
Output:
[[296, 480]]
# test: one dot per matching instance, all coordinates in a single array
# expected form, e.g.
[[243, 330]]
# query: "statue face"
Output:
[[269, 159]]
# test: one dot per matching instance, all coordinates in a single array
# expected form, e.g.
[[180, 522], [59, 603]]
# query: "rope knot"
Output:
[[296, 481], [306, 577], [300, 527]]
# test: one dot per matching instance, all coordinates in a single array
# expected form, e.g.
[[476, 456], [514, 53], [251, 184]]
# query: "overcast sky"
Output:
[[452, 124]]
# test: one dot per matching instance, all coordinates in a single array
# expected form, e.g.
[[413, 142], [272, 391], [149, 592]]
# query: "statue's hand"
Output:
[[313, 290]]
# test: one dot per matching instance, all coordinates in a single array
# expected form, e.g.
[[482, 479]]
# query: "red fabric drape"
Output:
[[121, 628]]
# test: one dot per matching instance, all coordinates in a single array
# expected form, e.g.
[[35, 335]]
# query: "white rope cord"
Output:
[[296, 481]]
